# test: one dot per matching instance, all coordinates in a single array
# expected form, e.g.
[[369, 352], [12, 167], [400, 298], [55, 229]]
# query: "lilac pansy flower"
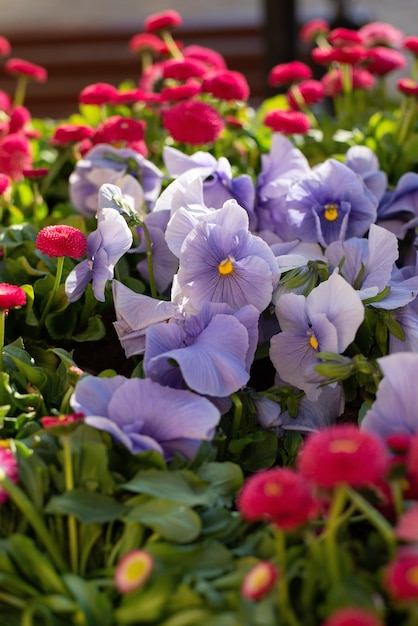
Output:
[[135, 312], [210, 352], [219, 184], [366, 264], [127, 201], [325, 321], [106, 164], [394, 411], [143, 415], [105, 246], [398, 210], [331, 204], [221, 261], [364, 162], [311, 417], [280, 168]]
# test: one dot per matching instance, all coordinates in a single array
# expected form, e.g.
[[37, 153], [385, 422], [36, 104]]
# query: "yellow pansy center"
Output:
[[331, 212], [226, 266], [313, 342]]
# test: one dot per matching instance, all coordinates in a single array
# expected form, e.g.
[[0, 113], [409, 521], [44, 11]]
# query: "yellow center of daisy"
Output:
[[412, 576], [135, 570], [272, 489], [331, 212], [313, 342], [260, 576], [344, 445], [226, 267]]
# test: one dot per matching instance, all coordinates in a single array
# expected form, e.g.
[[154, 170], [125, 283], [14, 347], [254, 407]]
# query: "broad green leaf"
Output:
[[89, 507], [173, 521], [94, 605], [145, 605], [178, 486]]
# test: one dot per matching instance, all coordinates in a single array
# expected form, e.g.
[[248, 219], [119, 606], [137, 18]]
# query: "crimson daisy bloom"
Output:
[[133, 570], [287, 122], [353, 616], [8, 467], [162, 21], [401, 576], [20, 67], [193, 122], [61, 423], [11, 296], [280, 496], [61, 240], [259, 580], [347, 455]]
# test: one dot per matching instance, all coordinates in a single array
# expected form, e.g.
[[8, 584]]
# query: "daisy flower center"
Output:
[[412, 575]]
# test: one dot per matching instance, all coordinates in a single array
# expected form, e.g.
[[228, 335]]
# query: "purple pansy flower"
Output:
[[210, 352], [284, 165], [331, 204], [107, 164], [366, 264], [394, 411], [325, 321], [143, 415], [105, 246], [365, 164], [221, 261], [398, 210], [219, 185], [135, 312]]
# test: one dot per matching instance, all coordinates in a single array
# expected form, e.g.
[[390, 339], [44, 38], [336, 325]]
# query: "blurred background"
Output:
[[86, 41]]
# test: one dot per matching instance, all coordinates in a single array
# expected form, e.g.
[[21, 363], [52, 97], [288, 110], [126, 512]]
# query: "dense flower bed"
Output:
[[209, 341]]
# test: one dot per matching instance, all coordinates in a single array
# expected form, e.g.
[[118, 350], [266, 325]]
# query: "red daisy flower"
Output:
[[162, 21], [11, 296], [259, 580], [133, 570], [20, 67], [288, 72], [15, 155], [193, 122], [407, 525], [61, 423], [287, 122], [344, 37], [71, 133], [401, 576], [145, 42], [182, 69], [181, 92], [411, 44], [119, 129], [408, 86], [343, 454], [5, 47], [211, 58], [280, 496], [382, 60], [61, 240], [310, 31], [352, 616], [307, 92], [380, 34], [226, 85], [4, 183], [8, 465], [98, 93]]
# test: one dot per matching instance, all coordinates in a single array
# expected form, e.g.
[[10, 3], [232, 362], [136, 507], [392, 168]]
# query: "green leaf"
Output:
[[95, 330], [88, 506], [145, 605], [224, 479], [176, 485], [25, 365], [171, 520], [94, 605]]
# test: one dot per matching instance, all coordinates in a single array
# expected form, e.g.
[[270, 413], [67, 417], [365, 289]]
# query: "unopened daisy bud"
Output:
[[133, 570], [61, 240], [259, 580]]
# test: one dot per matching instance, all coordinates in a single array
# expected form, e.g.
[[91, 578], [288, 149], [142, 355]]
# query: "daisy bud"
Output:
[[11, 296]]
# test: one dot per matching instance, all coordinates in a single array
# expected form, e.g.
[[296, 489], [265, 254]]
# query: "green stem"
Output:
[[32, 516], [151, 278], [407, 115], [236, 422], [58, 275], [283, 603], [7, 598], [54, 170], [167, 37], [330, 533], [20, 92], [2, 326], [69, 486], [375, 518]]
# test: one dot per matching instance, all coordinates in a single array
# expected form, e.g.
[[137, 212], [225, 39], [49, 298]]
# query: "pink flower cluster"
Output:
[[341, 456]]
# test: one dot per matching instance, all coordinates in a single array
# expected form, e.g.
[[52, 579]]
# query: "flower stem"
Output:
[[69, 486], [148, 244], [2, 325], [58, 275], [26, 507], [283, 602], [330, 533], [236, 422], [20, 92], [375, 518]]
